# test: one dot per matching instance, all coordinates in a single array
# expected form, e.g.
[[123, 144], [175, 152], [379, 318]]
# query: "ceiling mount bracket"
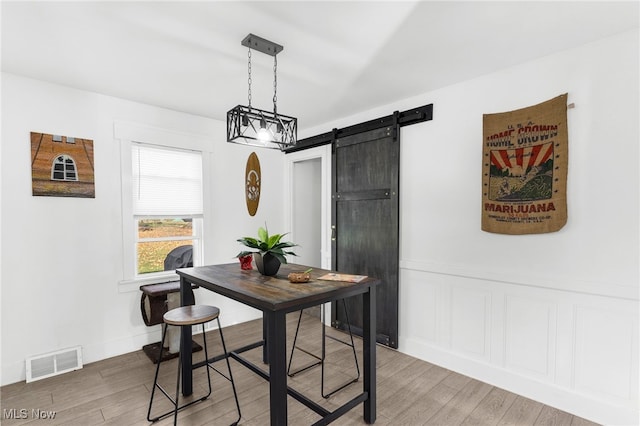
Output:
[[262, 45]]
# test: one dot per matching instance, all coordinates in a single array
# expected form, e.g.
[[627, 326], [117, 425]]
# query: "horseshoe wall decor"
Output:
[[253, 181]]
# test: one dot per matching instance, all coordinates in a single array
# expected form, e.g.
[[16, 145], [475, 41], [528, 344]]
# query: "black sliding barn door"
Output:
[[365, 219]]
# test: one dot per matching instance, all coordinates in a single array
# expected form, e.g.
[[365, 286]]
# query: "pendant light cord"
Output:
[[249, 79], [275, 84]]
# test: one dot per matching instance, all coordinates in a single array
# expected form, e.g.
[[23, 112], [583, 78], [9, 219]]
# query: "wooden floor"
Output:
[[410, 391]]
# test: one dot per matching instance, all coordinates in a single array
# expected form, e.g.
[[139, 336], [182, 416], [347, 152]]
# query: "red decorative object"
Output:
[[245, 262]]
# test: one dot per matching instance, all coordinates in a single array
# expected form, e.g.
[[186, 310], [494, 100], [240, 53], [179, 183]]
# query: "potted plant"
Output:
[[267, 250]]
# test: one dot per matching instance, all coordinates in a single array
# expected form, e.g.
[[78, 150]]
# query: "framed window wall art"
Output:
[[62, 166]]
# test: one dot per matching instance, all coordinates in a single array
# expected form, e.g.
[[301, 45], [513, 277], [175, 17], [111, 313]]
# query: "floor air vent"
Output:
[[54, 363]]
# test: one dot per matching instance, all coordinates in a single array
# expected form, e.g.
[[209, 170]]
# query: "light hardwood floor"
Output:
[[410, 391]]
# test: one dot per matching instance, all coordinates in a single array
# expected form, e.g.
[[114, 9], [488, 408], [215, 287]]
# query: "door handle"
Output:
[[333, 232]]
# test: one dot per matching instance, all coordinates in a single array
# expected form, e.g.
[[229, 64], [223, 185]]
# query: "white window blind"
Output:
[[166, 181]]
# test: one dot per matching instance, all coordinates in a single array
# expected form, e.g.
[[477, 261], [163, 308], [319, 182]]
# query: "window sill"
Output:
[[129, 286]]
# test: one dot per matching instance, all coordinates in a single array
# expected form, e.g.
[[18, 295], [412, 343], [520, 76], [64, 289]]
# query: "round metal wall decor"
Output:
[[253, 181]]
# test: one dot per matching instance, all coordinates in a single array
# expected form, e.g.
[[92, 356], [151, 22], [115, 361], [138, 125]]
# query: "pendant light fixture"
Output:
[[247, 125]]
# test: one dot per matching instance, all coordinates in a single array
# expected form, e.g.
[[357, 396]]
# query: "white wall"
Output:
[[553, 316], [62, 257]]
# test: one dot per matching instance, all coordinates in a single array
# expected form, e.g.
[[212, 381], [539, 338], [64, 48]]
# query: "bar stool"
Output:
[[188, 316], [321, 359]]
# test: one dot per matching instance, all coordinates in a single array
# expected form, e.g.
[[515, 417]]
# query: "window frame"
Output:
[[127, 134], [66, 159]]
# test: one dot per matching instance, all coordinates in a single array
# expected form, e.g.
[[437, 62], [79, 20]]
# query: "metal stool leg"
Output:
[[321, 359], [353, 348], [176, 401], [294, 347], [230, 378], [155, 379], [206, 357]]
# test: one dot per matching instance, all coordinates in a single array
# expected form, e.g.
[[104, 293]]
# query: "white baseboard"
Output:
[[584, 406], [16, 372]]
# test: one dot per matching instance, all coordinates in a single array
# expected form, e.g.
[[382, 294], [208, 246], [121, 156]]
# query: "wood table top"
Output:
[[273, 293]]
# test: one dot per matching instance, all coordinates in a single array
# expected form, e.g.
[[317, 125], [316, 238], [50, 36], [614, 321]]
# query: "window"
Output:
[[165, 197], [167, 207], [64, 168]]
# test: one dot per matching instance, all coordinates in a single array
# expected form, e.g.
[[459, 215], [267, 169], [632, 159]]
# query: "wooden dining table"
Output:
[[275, 297]]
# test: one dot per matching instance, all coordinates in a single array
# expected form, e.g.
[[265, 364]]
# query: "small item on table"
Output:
[[332, 276], [245, 262], [300, 277]]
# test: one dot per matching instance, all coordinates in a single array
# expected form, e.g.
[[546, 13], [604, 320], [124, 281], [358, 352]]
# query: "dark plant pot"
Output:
[[267, 264]]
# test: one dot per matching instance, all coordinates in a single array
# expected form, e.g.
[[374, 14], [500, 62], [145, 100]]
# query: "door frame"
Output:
[[324, 154]]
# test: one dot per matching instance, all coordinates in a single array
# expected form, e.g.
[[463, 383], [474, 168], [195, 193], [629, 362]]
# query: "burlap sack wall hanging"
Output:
[[524, 169]]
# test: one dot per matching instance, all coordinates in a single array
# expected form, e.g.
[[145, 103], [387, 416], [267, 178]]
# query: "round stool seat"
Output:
[[191, 315]]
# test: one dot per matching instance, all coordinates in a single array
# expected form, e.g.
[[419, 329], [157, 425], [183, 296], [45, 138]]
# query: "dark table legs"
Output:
[[369, 353], [275, 333], [277, 353], [265, 337], [186, 298]]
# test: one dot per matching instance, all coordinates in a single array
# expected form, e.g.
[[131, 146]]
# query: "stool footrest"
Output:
[[306, 367], [172, 412]]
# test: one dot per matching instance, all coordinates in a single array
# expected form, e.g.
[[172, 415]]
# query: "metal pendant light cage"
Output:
[[256, 127], [247, 125]]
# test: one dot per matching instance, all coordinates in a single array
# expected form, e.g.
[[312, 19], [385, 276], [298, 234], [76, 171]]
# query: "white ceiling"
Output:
[[339, 57]]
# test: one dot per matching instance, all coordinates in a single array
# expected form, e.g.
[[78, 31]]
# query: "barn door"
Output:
[[365, 217]]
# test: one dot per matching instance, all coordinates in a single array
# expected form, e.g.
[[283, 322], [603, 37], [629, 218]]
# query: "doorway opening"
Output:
[[310, 210], [306, 214]]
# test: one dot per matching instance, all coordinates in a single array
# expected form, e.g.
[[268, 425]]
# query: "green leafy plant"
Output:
[[266, 243]]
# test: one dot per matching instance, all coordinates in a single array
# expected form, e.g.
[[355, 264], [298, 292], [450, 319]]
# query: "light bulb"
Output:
[[263, 135]]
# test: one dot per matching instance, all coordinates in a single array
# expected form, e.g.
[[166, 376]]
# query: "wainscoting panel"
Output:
[[574, 351], [470, 321], [593, 326], [422, 300], [529, 342]]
